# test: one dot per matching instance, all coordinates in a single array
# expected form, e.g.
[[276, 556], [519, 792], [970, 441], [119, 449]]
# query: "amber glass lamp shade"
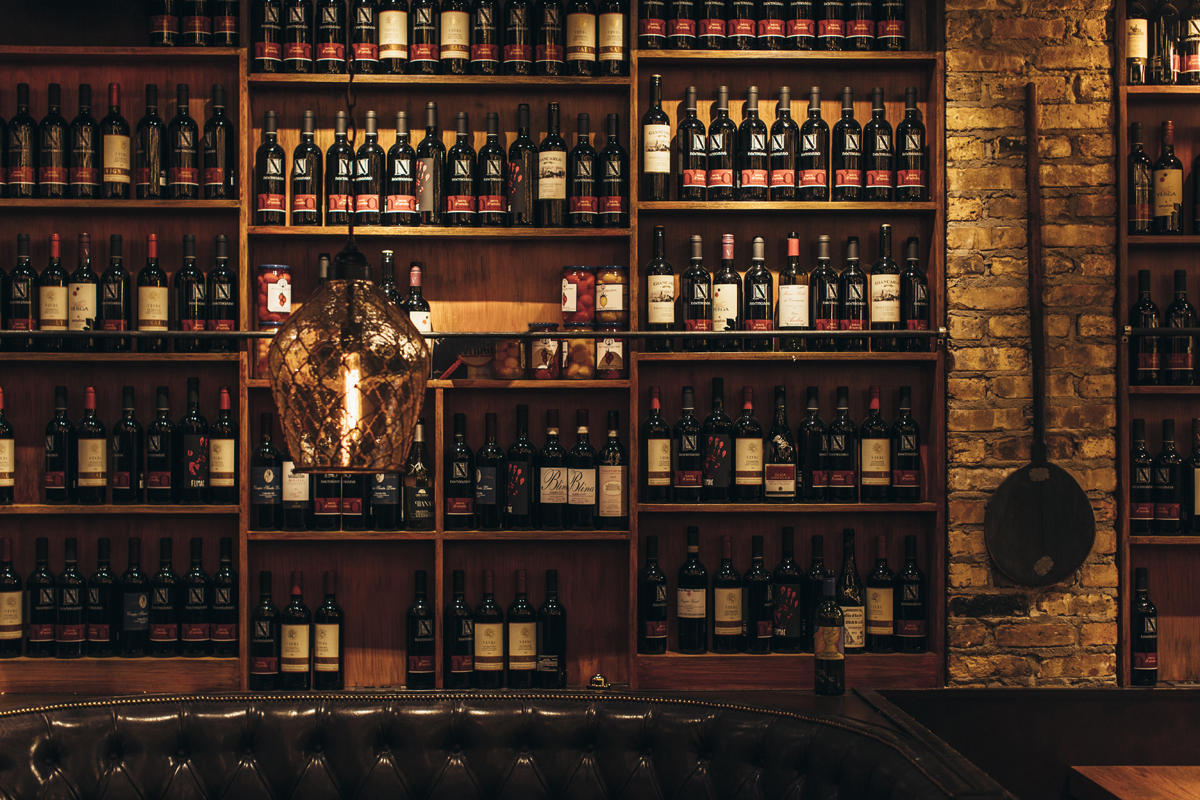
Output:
[[348, 373]]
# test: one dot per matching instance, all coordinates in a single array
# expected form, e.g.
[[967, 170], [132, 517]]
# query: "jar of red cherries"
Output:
[[578, 295]]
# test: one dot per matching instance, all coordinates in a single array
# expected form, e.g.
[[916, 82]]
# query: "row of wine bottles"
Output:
[[85, 159], [580, 38], [85, 301], [532, 185], [787, 162], [190, 462], [1161, 46], [1162, 494], [1162, 360], [723, 461], [296, 649], [1156, 188], [855, 25], [132, 616], [763, 613], [194, 23], [888, 298]]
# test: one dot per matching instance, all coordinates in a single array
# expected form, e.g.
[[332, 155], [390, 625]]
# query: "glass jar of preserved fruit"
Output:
[[545, 354], [508, 360], [579, 355], [578, 295], [274, 292], [611, 364], [263, 345], [612, 296]]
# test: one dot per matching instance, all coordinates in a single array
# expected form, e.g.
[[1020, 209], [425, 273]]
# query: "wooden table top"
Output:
[[1143, 783]]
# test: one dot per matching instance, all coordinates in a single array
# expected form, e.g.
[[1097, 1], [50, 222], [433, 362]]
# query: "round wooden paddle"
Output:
[[1039, 525]]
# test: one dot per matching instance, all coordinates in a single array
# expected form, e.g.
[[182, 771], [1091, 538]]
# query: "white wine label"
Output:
[[8, 462], [690, 603], [116, 159], [1137, 38], [612, 37], [153, 308], [1168, 191], [855, 626], [554, 485], [81, 307], [456, 34], [885, 298], [295, 484], [10, 615], [222, 462], [581, 487], [876, 462], [325, 651], [656, 148], [522, 645], [581, 37], [880, 620], [422, 320], [793, 306], [489, 646], [748, 462], [727, 611], [658, 462], [393, 34], [725, 306], [54, 308], [660, 301], [552, 175], [93, 462], [613, 496], [294, 648]]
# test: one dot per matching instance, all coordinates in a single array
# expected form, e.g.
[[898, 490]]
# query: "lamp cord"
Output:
[[351, 101]]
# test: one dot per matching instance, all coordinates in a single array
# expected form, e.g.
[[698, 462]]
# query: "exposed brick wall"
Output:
[[1001, 634]]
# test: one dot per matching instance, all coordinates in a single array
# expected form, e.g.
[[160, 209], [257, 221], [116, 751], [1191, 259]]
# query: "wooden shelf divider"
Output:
[[50, 510]]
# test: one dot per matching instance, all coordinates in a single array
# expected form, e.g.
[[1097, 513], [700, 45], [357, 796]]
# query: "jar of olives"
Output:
[[578, 295], [612, 295], [579, 355]]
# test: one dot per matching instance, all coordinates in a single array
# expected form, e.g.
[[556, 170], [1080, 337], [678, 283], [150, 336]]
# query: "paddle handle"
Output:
[[1037, 324]]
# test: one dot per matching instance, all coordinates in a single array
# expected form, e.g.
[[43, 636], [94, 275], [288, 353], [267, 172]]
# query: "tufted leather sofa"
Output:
[[457, 747]]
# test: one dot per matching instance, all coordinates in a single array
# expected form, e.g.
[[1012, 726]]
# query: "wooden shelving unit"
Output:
[[499, 280]]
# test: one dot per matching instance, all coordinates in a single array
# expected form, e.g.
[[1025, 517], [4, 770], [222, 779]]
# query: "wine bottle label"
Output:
[[1145, 661], [71, 632], [135, 614], [385, 489], [748, 462], [393, 34], [422, 321], [195, 24], [153, 305], [325, 650], [164, 24], [42, 632], [265, 486], [890, 29], [614, 497], [365, 51], [581, 37], [788, 619], [8, 462], [1166, 512], [418, 503], [656, 148], [660, 301], [725, 306], [658, 462], [224, 632], [779, 480], [720, 178], [116, 159], [485, 486], [222, 459], [350, 504], [81, 310], [690, 603], [489, 646], [304, 202], [323, 506], [460, 203], [456, 35], [429, 175], [906, 478], [522, 645], [93, 461], [831, 29], [96, 631], [400, 203], [553, 485], [813, 177], [10, 615], [740, 27], [847, 178], [195, 461], [339, 202], [552, 175], [225, 25], [885, 298], [294, 649], [830, 642], [727, 611], [716, 461], [612, 37], [517, 488], [682, 28], [54, 308], [793, 306], [294, 487], [297, 51], [581, 486], [1137, 38], [1168, 191], [51, 176], [880, 620], [366, 203], [652, 27], [879, 178], [855, 617], [910, 628], [712, 27], [754, 177]]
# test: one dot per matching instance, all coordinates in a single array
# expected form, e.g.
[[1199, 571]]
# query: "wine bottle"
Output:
[[183, 157], [614, 179], [61, 453], [553, 493], [384, 499], [789, 590], [164, 23], [1141, 489], [691, 146], [415, 304], [431, 167], [521, 634], [612, 489], [150, 172], [295, 652], [715, 447], [1168, 494], [878, 151], [103, 610], [266, 31], [1188, 45], [712, 25], [912, 156], [831, 28], [876, 459], [853, 306], [266, 480], [70, 623], [518, 38], [582, 478], [551, 638], [425, 44], [401, 197], [116, 313], [727, 298], [11, 620], [660, 294], [890, 25], [612, 52], [327, 501], [751, 160], [581, 38], [656, 146], [652, 24], [656, 454], [21, 297], [784, 147], [847, 148], [23, 147], [368, 175], [164, 605], [53, 170], [906, 453], [677, 22], [691, 597], [393, 36], [860, 25], [910, 602], [329, 645], [740, 28], [195, 24], [265, 639], [549, 38], [830, 637], [297, 506], [458, 639], [696, 293], [83, 295], [419, 671], [581, 178], [851, 597], [914, 297], [1188, 479], [492, 172], [460, 176], [722, 141], [1167, 175], [8, 464], [160, 453], [133, 634], [881, 584], [839, 461], [771, 29], [522, 171], [460, 478], [814, 151], [794, 303], [364, 36], [800, 25], [779, 457], [92, 457], [652, 604], [306, 176], [454, 50], [194, 629], [552, 173], [418, 485], [297, 36], [520, 502], [225, 16], [128, 458], [758, 309], [330, 34], [687, 457], [192, 463], [1179, 351], [191, 305], [1144, 625], [728, 620], [224, 612], [484, 37], [1137, 36], [53, 298], [757, 608], [42, 603], [489, 474], [489, 639], [748, 454], [339, 175]]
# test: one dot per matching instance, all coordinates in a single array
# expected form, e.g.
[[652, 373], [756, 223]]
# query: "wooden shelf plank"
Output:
[[1158, 92], [787, 508], [535, 536], [786, 207], [695, 358], [438, 232], [1168, 390], [32, 509], [343, 536], [119, 675], [719, 672], [1163, 241], [117, 206], [527, 384], [1165, 540], [872, 59], [117, 55], [124, 358], [440, 81]]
